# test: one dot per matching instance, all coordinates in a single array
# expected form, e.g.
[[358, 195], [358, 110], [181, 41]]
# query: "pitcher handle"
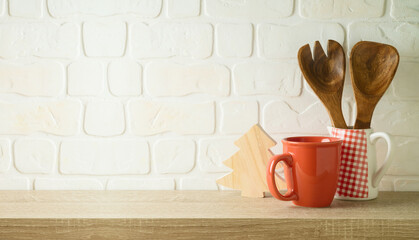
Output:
[[378, 175]]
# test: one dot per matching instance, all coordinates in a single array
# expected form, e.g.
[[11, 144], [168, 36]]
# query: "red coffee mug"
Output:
[[311, 168]]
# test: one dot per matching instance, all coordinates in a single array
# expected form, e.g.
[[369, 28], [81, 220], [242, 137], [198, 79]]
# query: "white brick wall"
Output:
[[125, 78], [234, 40], [327, 9], [402, 35], [26, 9], [274, 45], [59, 117], [267, 78], [238, 116], [15, 183], [39, 39], [183, 8], [151, 94], [104, 156], [197, 184], [5, 156], [85, 78], [43, 183], [104, 118], [170, 79], [213, 151], [404, 10], [168, 39], [104, 39], [34, 155], [140, 8], [42, 78], [141, 184], [152, 117], [251, 9], [174, 155]]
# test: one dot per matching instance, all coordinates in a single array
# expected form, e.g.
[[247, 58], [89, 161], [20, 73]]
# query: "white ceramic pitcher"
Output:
[[359, 174]]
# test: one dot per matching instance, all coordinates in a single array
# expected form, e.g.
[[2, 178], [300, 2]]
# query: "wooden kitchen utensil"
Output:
[[249, 164], [372, 67], [326, 75]]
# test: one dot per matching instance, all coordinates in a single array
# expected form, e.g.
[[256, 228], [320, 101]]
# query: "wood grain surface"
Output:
[[326, 76], [249, 164], [200, 214], [372, 66]]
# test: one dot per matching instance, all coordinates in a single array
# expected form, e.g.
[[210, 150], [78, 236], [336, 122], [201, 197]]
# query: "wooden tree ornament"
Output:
[[249, 164]]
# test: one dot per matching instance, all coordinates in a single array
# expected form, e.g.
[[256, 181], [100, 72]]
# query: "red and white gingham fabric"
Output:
[[353, 176]]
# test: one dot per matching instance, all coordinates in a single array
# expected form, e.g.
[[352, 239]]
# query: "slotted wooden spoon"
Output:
[[372, 66], [326, 75]]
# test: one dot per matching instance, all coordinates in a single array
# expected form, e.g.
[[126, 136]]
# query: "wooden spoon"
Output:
[[326, 75], [372, 67]]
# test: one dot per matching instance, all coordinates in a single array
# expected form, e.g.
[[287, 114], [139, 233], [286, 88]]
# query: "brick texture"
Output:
[[100, 157], [252, 9], [392, 33], [174, 155], [274, 42], [141, 184], [141, 8], [35, 155], [26, 9], [85, 78], [183, 8], [125, 78], [67, 184], [104, 118], [169, 79], [326, 9], [405, 10], [55, 117], [192, 40], [44, 40], [150, 117], [104, 39], [267, 78], [152, 94], [234, 40], [5, 156], [43, 78]]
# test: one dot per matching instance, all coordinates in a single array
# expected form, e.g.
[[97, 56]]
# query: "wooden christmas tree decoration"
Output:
[[249, 164]]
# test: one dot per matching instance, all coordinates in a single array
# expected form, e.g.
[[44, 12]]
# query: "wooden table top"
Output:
[[203, 214]]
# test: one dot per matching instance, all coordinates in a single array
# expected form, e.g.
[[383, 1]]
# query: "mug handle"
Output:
[[270, 177], [378, 175]]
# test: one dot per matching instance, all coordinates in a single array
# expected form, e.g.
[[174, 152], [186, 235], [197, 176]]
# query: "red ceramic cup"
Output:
[[311, 168]]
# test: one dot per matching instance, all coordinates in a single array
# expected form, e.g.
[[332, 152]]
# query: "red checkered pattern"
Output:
[[353, 176]]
